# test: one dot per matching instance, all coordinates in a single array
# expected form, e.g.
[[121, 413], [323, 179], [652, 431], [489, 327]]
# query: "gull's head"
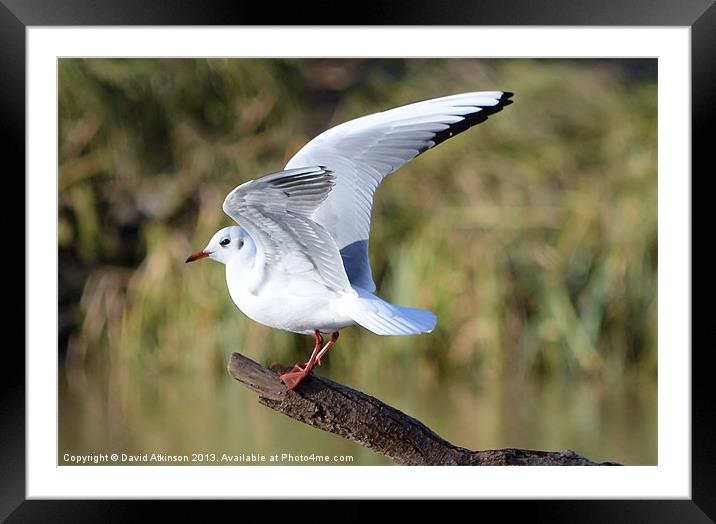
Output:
[[227, 245]]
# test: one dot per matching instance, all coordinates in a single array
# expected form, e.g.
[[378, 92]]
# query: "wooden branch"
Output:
[[336, 408]]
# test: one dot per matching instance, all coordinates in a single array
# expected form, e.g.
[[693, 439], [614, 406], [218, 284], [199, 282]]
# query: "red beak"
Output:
[[198, 256]]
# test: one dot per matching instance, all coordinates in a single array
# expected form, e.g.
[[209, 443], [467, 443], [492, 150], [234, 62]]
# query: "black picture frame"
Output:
[[17, 15]]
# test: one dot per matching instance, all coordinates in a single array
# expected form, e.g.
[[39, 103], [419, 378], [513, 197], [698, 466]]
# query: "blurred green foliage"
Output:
[[533, 236]]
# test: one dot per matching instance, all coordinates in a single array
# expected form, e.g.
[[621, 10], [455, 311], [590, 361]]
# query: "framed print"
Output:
[[520, 296]]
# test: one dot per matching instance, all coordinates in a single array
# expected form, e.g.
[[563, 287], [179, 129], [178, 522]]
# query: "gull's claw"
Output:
[[293, 378], [300, 371]]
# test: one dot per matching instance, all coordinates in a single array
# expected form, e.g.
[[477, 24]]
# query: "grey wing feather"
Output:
[[275, 211], [363, 151]]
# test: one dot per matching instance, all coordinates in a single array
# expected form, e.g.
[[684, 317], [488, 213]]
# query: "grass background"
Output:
[[533, 237]]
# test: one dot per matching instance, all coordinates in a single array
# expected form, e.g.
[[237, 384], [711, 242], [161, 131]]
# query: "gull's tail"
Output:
[[383, 318]]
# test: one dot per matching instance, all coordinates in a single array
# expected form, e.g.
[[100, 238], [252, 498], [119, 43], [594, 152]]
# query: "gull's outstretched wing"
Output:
[[361, 152], [275, 210]]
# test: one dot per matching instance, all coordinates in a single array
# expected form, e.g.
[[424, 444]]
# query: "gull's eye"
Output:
[[224, 242]]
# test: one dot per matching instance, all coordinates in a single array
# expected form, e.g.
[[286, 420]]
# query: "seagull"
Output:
[[298, 261]]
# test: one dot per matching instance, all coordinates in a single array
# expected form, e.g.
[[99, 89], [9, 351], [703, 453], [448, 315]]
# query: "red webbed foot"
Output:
[[293, 378], [300, 371]]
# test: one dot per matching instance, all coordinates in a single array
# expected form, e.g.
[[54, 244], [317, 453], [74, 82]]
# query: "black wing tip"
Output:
[[505, 99], [471, 119]]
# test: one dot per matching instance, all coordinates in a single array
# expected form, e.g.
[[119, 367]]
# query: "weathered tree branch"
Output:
[[333, 407]]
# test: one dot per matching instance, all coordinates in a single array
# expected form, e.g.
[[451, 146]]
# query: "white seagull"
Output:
[[299, 259]]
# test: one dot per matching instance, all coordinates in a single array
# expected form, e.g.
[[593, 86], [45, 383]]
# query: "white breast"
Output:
[[298, 305]]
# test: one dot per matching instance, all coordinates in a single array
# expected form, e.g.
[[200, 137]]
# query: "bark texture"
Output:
[[336, 408]]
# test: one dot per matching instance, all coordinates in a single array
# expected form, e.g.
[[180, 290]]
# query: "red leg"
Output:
[[319, 343], [334, 337], [299, 372]]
